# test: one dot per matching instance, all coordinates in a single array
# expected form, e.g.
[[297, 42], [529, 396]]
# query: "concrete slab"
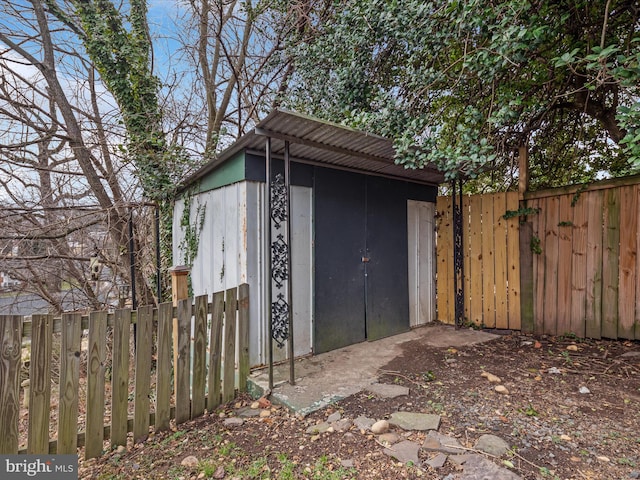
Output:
[[332, 376]]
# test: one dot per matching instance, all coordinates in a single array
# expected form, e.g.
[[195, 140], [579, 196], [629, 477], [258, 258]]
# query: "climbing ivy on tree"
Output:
[[463, 84]]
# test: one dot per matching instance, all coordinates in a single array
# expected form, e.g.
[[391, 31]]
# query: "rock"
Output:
[[537, 345], [121, 449], [603, 459], [388, 438], [318, 428], [346, 463], [342, 425], [572, 348], [219, 473], [190, 462], [584, 390], [404, 452], [255, 405], [502, 389], [415, 421], [364, 423], [565, 438], [334, 417], [554, 370], [438, 461], [476, 467], [385, 390], [381, 426], [233, 422], [632, 354], [492, 444], [634, 474], [491, 377], [265, 413], [437, 442]]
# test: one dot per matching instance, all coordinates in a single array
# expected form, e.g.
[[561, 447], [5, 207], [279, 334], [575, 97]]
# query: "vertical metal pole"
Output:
[[287, 185], [268, 259], [458, 254]]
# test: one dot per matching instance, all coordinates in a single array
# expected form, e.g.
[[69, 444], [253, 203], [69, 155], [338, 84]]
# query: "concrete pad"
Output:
[[326, 378]]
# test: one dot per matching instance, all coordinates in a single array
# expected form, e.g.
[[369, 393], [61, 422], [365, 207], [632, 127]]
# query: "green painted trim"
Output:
[[231, 171]]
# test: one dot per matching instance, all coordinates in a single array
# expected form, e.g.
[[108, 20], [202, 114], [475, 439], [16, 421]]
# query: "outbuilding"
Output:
[[338, 248]]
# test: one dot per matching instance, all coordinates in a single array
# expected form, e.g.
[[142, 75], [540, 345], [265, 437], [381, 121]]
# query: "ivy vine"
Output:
[[191, 231]]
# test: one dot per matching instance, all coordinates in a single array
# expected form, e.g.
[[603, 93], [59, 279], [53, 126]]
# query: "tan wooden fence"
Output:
[[106, 388], [491, 261], [585, 277], [570, 266]]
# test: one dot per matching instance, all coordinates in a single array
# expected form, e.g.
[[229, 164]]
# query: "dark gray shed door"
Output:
[[361, 277]]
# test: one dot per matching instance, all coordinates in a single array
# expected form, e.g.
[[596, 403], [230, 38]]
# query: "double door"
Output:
[[361, 264]]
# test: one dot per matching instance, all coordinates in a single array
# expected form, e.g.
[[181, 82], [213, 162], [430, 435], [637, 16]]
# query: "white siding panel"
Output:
[[421, 233]]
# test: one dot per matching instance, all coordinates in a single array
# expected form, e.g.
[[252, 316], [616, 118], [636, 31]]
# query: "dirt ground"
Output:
[[572, 411]]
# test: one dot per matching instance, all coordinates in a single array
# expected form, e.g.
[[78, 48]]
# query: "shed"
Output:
[[345, 254]]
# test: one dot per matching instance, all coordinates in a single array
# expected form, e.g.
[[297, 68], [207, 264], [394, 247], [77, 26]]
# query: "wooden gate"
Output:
[[491, 261]]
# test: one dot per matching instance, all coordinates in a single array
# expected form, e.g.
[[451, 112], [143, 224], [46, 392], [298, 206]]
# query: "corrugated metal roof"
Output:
[[322, 143]]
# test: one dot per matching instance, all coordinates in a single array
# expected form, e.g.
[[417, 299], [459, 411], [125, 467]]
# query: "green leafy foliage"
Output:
[[464, 84]]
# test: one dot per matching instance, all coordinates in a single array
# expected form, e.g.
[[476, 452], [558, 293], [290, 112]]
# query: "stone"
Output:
[[364, 423], [386, 390], [381, 426], [492, 444], [347, 463], [334, 417], [502, 390], [248, 412], [121, 449], [437, 442], [189, 462], [572, 348], [554, 370], [632, 354], [491, 377], [634, 474], [342, 425], [255, 405], [219, 473], [415, 421], [476, 467], [233, 422], [602, 458], [265, 413], [438, 461], [388, 438], [405, 452], [584, 390], [565, 438], [318, 428]]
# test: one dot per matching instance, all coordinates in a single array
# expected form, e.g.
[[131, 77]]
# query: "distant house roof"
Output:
[[323, 143]]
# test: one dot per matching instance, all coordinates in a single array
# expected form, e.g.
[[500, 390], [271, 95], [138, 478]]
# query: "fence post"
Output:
[[179, 291]]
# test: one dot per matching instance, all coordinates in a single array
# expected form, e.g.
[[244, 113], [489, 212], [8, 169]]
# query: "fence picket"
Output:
[[628, 254], [215, 351], [96, 363], [579, 268], [163, 366], [500, 259], [10, 361], [40, 384], [143, 351], [120, 377], [69, 384], [199, 356], [610, 263], [565, 258], [513, 264], [228, 370], [243, 335], [181, 368], [593, 317]]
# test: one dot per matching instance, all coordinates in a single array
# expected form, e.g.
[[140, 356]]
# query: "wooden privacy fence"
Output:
[[96, 357], [491, 260], [585, 274]]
